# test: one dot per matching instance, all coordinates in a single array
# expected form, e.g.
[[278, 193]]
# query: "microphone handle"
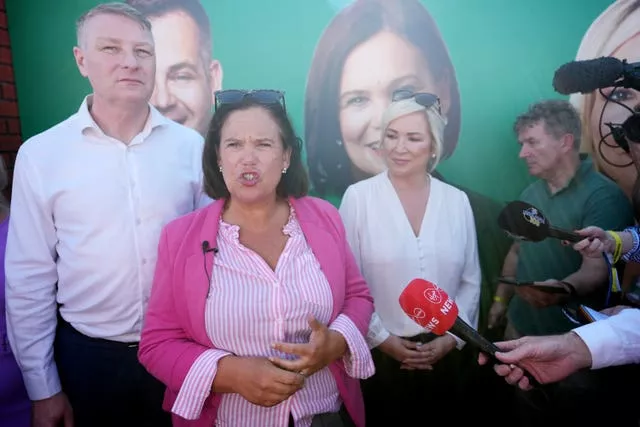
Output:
[[561, 234], [465, 332]]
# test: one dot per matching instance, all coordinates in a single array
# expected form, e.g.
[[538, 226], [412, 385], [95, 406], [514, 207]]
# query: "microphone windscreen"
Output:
[[429, 306], [587, 76], [631, 128], [523, 220]]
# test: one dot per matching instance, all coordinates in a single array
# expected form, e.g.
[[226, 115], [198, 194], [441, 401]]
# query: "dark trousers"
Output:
[[587, 398], [105, 383], [329, 419], [397, 397]]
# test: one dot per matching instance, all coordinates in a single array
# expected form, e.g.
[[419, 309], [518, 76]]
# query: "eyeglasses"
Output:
[[262, 96], [425, 99]]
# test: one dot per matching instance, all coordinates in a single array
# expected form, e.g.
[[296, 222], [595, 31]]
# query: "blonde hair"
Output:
[[436, 122], [614, 27]]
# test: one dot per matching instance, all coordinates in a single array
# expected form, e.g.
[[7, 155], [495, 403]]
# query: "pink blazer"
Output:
[[174, 333]]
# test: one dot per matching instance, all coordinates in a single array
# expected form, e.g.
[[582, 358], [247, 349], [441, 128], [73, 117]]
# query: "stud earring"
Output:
[[220, 167], [284, 170], [339, 142]]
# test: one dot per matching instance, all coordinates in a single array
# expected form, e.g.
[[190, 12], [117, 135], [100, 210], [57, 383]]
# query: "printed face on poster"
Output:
[[339, 63]]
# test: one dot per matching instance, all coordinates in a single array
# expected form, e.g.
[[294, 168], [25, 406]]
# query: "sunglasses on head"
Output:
[[261, 96], [425, 99]]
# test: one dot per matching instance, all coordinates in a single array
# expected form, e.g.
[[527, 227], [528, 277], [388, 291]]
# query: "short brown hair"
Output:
[[192, 8], [115, 8], [294, 183], [559, 118]]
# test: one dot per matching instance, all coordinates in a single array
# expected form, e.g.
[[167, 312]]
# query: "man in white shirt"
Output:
[[610, 342], [90, 197]]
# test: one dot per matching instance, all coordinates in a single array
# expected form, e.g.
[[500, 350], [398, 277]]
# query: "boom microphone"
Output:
[[589, 75], [431, 307]]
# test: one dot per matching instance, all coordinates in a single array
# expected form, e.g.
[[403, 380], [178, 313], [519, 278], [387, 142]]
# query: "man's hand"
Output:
[[539, 298], [595, 242], [323, 348], [548, 359], [497, 314], [52, 412]]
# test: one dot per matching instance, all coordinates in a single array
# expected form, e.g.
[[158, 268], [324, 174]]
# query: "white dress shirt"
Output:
[[613, 341], [390, 255], [86, 216]]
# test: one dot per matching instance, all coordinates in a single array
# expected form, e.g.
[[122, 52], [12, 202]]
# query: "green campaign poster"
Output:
[[486, 59], [339, 61]]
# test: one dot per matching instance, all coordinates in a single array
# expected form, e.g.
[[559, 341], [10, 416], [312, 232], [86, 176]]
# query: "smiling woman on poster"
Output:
[[369, 50]]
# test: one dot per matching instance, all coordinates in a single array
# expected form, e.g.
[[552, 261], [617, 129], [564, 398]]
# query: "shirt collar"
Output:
[[85, 120], [585, 166]]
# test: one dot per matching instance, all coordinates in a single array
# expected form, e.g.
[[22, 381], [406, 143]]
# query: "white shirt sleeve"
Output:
[[31, 278], [613, 341], [468, 296], [377, 333], [201, 199]]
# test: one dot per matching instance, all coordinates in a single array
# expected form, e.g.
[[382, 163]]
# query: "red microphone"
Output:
[[430, 307]]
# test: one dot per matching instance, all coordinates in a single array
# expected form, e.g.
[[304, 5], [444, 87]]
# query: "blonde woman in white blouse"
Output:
[[404, 224]]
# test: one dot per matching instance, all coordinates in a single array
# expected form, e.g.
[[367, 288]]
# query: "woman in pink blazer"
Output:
[[258, 311]]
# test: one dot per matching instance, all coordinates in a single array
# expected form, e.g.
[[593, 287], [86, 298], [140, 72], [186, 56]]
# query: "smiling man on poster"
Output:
[[186, 75]]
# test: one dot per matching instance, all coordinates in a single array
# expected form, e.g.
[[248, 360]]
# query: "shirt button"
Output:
[[138, 221], [144, 262]]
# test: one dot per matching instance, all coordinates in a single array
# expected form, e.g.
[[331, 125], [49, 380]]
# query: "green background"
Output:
[[505, 53]]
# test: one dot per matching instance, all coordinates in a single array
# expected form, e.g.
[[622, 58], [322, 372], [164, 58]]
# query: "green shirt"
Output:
[[588, 199]]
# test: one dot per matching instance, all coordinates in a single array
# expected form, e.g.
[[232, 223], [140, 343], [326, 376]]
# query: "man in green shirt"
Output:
[[572, 195]]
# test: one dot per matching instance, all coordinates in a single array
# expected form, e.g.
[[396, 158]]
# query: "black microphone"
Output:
[[206, 248], [589, 75], [526, 222]]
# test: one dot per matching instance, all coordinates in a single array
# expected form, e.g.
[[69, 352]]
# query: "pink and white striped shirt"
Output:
[[250, 306]]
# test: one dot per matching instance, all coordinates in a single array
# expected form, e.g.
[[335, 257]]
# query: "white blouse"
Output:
[[390, 255]]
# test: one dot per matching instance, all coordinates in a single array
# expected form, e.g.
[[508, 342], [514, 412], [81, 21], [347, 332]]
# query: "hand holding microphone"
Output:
[[549, 359], [431, 307]]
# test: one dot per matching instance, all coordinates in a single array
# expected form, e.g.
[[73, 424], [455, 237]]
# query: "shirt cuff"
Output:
[[602, 341], [357, 361], [377, 333], [43, 384], [196, 387]]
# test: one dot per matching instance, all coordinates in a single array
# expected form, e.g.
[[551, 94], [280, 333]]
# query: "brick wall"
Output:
[[10, 138]]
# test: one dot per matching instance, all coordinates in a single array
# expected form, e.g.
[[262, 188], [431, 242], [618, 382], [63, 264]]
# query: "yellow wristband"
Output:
[[617, 252], [496, 298]]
